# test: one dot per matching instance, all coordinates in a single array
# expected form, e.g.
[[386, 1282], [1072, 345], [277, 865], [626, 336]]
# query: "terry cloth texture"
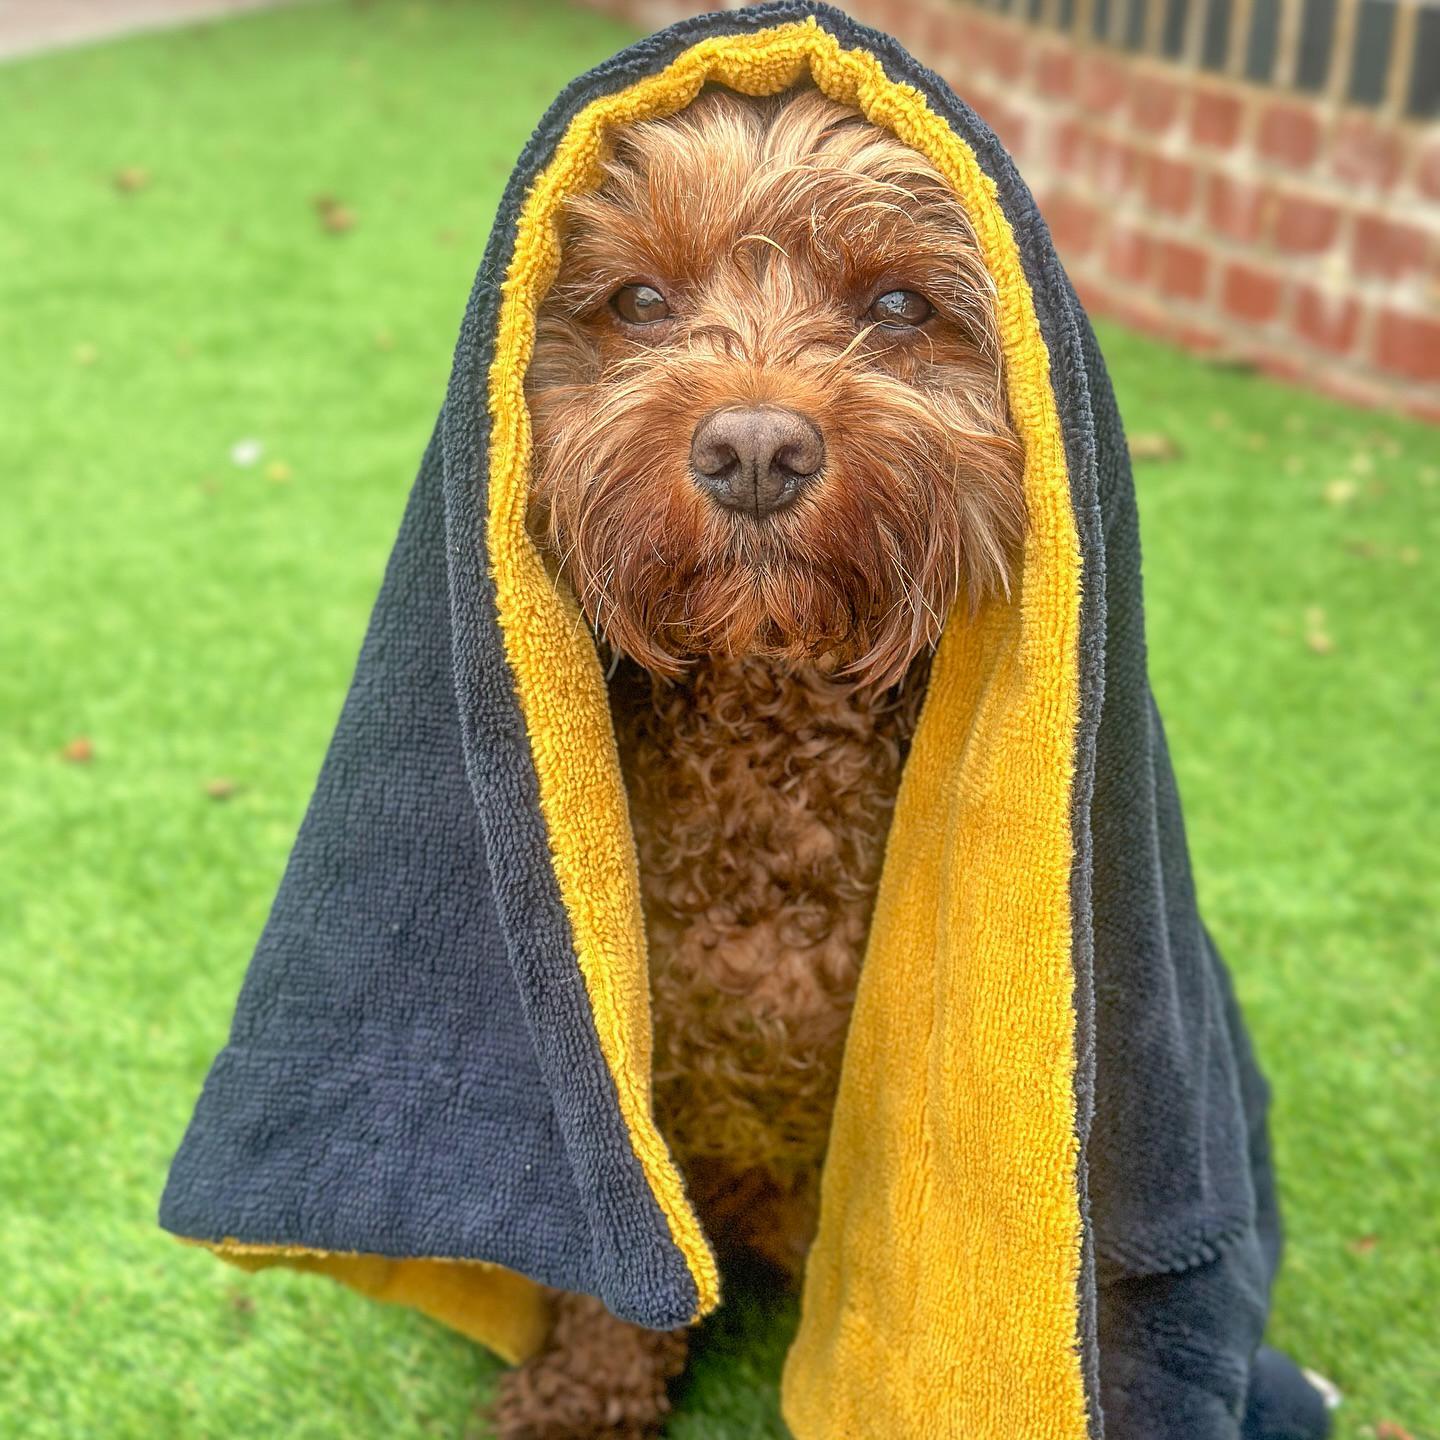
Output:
[[1047, 1209]]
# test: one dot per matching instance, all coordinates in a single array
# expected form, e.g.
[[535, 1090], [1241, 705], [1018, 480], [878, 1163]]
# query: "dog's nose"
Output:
[[755, 460]]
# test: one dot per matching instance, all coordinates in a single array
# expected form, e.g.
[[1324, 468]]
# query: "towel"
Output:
[[1047, 1207]]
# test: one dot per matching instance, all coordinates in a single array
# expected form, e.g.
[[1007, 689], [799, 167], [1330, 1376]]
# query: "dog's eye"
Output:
[[640, 304], [901, 309]]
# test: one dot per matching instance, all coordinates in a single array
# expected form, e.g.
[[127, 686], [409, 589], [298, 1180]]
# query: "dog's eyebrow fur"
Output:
[[802, 174]]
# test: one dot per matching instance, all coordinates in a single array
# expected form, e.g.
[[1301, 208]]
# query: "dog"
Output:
[[772, 454]]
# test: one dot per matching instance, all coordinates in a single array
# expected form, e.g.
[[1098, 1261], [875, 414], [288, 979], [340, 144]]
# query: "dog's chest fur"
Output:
[[760, 798]]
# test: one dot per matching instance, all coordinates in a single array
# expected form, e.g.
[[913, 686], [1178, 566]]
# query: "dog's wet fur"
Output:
[[772, 455]]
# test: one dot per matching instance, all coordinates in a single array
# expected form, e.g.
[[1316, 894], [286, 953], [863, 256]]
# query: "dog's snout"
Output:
[[755, 460]]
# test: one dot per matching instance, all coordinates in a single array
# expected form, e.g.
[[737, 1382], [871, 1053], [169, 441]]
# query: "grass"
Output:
[[197, 619]]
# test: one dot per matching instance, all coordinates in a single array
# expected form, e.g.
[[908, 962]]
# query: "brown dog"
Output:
[[772, 453]]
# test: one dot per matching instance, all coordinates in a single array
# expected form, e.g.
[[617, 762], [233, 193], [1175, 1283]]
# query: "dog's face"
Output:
[[767, 395]]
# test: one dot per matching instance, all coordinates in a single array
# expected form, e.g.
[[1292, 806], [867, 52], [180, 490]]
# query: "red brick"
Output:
[[1235, 208], [1008, 122], [1427, 170], [1183, 270], [1067, 145], [1102, 83], [1365, 152], [1422, 408], [1074, 224], [1408, 344], [1169, 185], [1055, 72], [1289, 134], [1154, 103], [1328, 322], [1007, 53], [939, 34], [1386, 249], [973, 38], [1304, 226], [1251, 294], [1283, 365], [1114, 165], [1215, 117], [1197, 337], [1130, 255]]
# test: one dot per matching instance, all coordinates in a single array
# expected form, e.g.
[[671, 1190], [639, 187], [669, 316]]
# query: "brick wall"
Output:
[[1258, 223]]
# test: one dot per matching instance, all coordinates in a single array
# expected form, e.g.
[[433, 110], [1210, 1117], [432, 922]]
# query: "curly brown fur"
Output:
[[769, 669], [598, 1377]]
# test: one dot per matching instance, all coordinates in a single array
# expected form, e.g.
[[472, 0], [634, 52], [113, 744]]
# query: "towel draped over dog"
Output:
[[1047, 1206]]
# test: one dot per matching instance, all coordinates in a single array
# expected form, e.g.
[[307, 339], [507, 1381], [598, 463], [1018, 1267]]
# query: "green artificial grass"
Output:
[[261, 234]]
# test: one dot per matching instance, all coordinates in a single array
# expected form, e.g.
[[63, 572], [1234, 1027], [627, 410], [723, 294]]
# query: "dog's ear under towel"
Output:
[[1048, 1210]]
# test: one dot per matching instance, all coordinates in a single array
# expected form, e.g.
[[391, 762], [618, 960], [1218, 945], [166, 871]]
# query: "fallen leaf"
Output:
[[335, 216], [79, 751], [131, 178], [1408, 554], [447, 236], [1153, 446], [241, 1303], [220, 788], [1363, 1244], [1363, 463], [86, 353], [1365, 549], [384, 340], [278, 471], [1341, 492], [1389, 1430], [1316, 636]]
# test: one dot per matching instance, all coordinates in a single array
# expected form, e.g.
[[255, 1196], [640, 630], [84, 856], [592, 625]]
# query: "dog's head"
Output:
[[768, 396]]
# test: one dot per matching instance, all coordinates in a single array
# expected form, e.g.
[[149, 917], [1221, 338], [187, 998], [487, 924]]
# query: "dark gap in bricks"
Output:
[[1317, 36], [1100, 20], [1215, 41], [1135, 25], [1370, 53], [1172, 32], [1263, 44], [1423, 100], [1065, 15]]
